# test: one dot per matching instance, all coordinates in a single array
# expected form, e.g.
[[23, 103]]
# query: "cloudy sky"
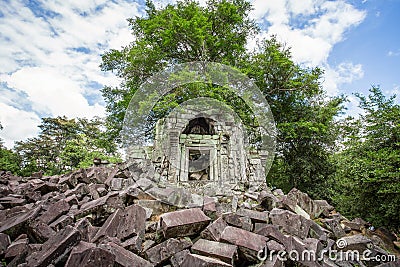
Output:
[[50, 51]]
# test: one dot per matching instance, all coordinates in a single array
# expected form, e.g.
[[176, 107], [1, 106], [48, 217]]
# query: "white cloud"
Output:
[[53, 60], [312, 28], [13, 129], [345, 72]]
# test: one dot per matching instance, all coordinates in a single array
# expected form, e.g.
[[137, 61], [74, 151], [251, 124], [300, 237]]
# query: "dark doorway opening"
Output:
[[199, 164]]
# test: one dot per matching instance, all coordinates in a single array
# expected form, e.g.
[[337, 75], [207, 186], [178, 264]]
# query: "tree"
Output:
[[175, 34], [9, 161], [367, 180], [65, 144], [219, 32]]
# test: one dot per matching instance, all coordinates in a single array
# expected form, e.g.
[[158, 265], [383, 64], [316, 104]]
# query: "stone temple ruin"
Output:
[[204, 151]]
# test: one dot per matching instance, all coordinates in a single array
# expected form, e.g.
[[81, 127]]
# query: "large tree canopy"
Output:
[[220, 32]]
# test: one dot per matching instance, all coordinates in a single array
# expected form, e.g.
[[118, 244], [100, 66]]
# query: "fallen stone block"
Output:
[[249, 243], [222, 251], [39, 231], [163, 251], [4, 243], [87, 254], [17, 247], [62, 222], [290, 222], [183, 222], [156, 206], [238, 221], [12, 201], [335, 227], [214, 230], [54, 211], [14, 224], [192, 260], [110, 226], [355, 242], [56, 248], [124, 257], [255, 216], [179, 257], [133, 222]]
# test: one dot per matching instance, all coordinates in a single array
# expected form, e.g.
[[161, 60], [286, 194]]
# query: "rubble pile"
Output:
[[118, 216]]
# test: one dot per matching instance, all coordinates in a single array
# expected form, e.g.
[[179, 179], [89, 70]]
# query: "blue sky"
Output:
[[50, 51]]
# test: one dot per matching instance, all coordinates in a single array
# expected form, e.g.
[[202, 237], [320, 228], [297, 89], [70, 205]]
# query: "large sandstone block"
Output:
[[249, 243], [222, 251], [183, 222], [214, 230], [163, 251], [290, 222], [124, 257], [56, 248], [87, 254], [192, 260]]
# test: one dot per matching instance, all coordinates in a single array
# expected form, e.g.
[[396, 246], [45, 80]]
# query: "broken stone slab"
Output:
[[92, 206], [12, 201], [17, 247], [355, 242], [86, 230], [124, 257], [290, 222], [239, 221], [273, 245], [56, 248], [209, 206], [313, 208], [110, 226], [133, 222], [249, 243], [179, 257], [15, 224], [54, 211], [124, 224], [39, 231], [156, 206], [183, 222], [272, 232], [46, 188], [214, 230], [133, 244], [4, 243], [87, 254], [62, 222], [255, 216], [163, 251], [335, 226], [222, 251], [192, 260], [306, 251]]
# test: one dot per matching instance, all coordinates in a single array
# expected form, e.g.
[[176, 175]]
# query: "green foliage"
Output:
[[367, 179], [304, 115], [65, 144], [178, 33], [219, 32], [9, 161]]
